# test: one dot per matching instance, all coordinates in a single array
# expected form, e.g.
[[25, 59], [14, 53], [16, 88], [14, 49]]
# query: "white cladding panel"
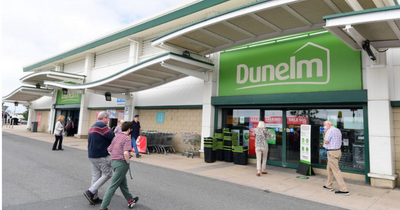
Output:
[[75, 67], [101, 73], [111, 57], [42, 103], [149, 51], [185, 91]]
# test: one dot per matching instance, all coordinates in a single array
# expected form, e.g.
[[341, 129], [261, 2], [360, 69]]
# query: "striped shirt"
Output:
[[334, 136], [119, 145]]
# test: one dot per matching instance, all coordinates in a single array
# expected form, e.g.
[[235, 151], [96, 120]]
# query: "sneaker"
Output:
[[88, 195], [342, 193], [132, 202], [328, 188], [138, 156], [97, 200]]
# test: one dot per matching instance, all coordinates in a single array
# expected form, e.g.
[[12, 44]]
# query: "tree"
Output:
[[26, 114]]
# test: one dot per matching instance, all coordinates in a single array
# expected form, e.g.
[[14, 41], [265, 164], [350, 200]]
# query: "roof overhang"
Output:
[[258, 21], [145, 75], [381, 26], [38, 78], [25, 94]]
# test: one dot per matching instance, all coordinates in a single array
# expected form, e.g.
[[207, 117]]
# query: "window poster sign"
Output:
[[252, 138], [273, 122], [112, 113], [297, 120], [39, 118], [120, 115], [308, 64], [246, 137], [271, 139], [160, 117], [305, 144]]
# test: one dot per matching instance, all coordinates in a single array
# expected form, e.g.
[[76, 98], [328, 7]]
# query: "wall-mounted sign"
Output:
[[160, 117], [120, 101], [70, 98], [308, 64]]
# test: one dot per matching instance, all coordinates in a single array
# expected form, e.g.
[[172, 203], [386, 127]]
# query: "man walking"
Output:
[[333, 143], [100, 137], [136, 132]]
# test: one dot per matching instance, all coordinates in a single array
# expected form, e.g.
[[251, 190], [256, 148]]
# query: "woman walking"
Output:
[[70, 127], [261, 147], [58, 133], [120, 149]]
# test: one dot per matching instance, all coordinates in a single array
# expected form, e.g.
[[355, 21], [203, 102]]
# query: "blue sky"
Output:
[[33, 30]]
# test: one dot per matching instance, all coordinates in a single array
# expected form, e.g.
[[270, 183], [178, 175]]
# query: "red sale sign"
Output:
[[273, 119], [252, 138], [300, 120]]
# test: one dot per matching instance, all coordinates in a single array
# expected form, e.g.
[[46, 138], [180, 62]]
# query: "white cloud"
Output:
[[33, 30]]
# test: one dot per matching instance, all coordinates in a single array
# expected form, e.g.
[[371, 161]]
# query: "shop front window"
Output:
[[351, 124], [242, 121]]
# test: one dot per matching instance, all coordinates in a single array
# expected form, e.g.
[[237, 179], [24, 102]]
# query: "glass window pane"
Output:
[[351, 124], [294, 120]]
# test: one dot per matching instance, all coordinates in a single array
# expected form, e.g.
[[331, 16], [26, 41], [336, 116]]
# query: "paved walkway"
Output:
[[278, 180]]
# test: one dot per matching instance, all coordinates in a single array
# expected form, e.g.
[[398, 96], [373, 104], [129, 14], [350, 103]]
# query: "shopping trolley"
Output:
[[190, 144]]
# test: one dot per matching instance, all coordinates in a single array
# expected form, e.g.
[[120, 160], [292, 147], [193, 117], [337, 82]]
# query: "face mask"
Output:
[[325, 127]]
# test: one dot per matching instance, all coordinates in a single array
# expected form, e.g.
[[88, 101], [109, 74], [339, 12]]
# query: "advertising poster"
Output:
[[160, 117], [120, 115], [39, 118], [112, 113], [272, 138], [305, 144], [246, 137], [252, 138]]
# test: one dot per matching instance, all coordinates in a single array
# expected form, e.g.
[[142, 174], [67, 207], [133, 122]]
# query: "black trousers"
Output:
[[58, 140]]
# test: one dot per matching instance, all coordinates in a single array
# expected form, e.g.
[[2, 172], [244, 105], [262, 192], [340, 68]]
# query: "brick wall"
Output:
[[396, 113], [176, 120]]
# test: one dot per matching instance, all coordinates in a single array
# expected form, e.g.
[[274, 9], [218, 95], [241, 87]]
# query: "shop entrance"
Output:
[[73, 113], [285, 124]]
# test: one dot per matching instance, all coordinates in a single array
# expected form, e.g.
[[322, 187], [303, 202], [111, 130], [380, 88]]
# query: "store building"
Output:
[[214, 64]]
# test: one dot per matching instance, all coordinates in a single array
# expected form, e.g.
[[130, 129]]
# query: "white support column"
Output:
[[128, 107], [84, 114], [380, 124], [31, 115], [209, 90], [52, 113], [134, 54]]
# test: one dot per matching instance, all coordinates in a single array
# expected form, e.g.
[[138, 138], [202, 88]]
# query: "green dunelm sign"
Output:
[[70, 98], [308, 64]]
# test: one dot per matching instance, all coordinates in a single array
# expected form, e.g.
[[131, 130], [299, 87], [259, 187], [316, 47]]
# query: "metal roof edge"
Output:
[[192, 8], [51, 71], [21, 87], [209, 18], [133, 66], [380, 9]]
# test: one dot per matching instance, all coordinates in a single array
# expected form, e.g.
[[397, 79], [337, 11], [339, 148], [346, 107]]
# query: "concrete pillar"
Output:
[[134, 53], [380, 123], [209, 90], [52, 113], [84, 114], [31, 116]]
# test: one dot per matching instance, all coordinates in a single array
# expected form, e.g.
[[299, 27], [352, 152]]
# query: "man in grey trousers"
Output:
[[100, 137]]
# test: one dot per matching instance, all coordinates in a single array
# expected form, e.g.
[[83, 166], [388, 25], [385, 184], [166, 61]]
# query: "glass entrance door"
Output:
[[273, 122], [294, 120]]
